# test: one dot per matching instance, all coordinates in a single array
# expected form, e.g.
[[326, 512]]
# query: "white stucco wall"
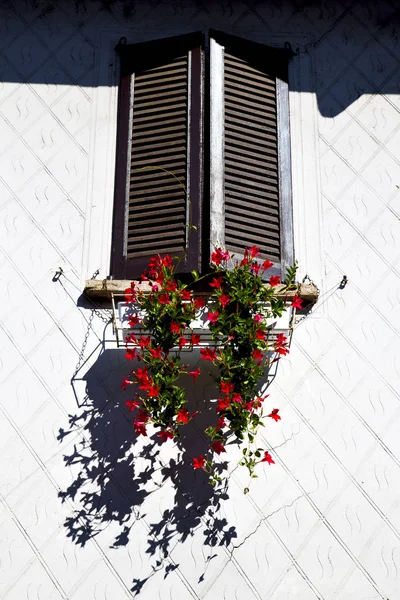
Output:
[[85, 512]]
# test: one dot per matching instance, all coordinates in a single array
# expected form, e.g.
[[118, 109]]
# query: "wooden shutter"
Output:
[[159, 131], [250, 185]]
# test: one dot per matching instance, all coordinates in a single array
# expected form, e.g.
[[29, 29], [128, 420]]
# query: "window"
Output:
[[213, 111]]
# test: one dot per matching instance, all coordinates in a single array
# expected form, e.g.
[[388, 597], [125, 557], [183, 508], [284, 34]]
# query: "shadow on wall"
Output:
[[357, 47], [122, 482]]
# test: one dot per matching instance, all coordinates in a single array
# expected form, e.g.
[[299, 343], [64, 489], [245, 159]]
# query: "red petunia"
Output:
[[267, 264], [153, 390], [186, 295], [183, 416], [131, 338], [133, 320], [213, 317], [256, 268], [175, 328], [194, 374], [199, 462], [220, 423], [223, 404], [164, 299], [216, 282], [297, 302], [274, 280], [132, 405], [170, 285], [224, 300], [267, 458], [130, 295], [260, 334], [199, 302], [208, 354], [258, 318], [226, 387], [140, 427], [258, 356], [131, 353], [144, 342], [125, 383], [165, 435], [253, 251], [236, 398], [281, 339], [218, 446], [274, 414], [156, 352], [219, 255], [182, 341], [195, 339]]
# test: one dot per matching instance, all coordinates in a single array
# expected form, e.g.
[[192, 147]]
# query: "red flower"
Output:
[[224, 299], [236, 398], [219, 255], [164, 299], [223, 403], [130, 294], [267, 264], [195, 339], [131, 353], [267, 458], [258, 355], [281, 339], [183, 416], [199, 302], [139, 427], [131, 339], [156, 352], [132, 404], [256, 268], [213, 317], [194, 374], [281, 344], [133, 320], [258, 318], [216, 282], [253, 251], [297, 302], [153, 390], [175, 328], [186, 295], [274, 414], [142, 374], [198, 463], [208, 354], [170, 285], [220, 423], [125, 383], [182, 341], [143, 416], [244, 262], [218, 446], [260, 334], [274, 280], [226, 387], [144, 342], [165, 435]]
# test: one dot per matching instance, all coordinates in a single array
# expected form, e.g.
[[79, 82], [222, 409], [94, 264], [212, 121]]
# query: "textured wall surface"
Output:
[[85, 510]]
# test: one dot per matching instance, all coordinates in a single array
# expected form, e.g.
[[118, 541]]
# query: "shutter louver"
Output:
[[157, 203], [252, 211]]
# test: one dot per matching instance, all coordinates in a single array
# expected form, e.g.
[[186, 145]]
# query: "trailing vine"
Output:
[[239, 307]]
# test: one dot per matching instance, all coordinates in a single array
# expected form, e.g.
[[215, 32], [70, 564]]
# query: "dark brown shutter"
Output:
[[251, 159], [251, 192], [153, 213]]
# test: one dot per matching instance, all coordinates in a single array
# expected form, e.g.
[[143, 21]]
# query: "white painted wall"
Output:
[[324, 521]]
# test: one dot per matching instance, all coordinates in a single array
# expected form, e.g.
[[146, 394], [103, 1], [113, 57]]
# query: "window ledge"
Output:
[[106, 288]]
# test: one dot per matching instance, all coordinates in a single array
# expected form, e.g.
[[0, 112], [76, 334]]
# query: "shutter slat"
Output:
[[252, 213], [156, 202]]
